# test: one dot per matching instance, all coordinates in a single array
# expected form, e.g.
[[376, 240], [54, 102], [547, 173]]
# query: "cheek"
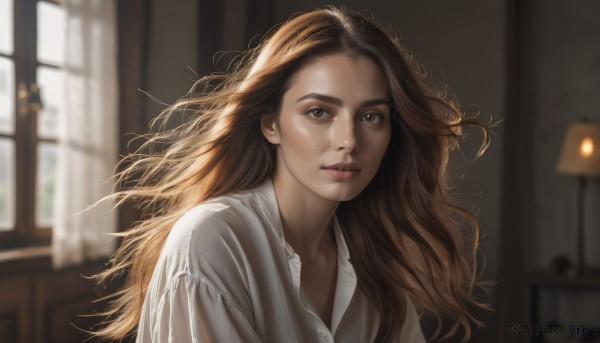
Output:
[[300, 136], [386, 142], [379, 143]]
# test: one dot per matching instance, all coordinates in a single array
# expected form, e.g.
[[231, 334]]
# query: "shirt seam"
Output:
[[188, 272], [203, 282]]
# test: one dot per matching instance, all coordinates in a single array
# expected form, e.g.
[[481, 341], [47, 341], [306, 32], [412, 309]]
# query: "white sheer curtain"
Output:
[[88, 138]]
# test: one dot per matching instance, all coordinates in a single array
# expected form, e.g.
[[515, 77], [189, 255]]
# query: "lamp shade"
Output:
[[580, 154]]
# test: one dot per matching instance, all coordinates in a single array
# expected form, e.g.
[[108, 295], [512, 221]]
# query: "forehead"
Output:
[[340, 75]]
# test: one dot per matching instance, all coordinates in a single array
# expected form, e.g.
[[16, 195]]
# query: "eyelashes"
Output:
[[319, 113], [373, 117]]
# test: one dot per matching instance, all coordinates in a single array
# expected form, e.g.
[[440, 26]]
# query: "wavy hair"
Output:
[[404, 232]]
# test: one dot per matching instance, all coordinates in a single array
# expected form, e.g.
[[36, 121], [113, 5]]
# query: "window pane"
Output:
[[6, 26], [7, 184], [51, 85], [50, 33], [46, 178], [7, 95]]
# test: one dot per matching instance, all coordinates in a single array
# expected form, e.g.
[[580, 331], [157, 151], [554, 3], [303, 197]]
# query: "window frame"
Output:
[[25, 233]]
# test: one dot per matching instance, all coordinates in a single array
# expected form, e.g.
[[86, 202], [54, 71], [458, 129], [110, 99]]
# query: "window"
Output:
[[31, 93]]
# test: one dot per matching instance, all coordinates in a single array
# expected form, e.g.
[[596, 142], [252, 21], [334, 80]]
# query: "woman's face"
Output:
[[333, 127]]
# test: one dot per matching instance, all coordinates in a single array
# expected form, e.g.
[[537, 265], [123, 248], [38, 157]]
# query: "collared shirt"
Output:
[[227, 274]]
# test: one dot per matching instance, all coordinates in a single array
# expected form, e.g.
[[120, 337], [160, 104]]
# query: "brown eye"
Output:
[[373, 118], [317, 113]]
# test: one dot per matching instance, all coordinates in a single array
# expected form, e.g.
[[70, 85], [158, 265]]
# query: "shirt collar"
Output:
[[343, 252], [346, 277], [267, 202]]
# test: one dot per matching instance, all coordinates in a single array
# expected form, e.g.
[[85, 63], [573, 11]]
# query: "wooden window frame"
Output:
[[25, 233]]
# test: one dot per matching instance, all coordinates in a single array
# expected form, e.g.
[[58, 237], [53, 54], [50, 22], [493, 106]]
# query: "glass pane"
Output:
[[6, 26], [7, 95], [50, 33], [46, 178], [51, 85], [7, 184]]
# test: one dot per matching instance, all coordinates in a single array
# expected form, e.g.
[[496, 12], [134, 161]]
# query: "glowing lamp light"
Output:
[[587, 147], [579, 155]]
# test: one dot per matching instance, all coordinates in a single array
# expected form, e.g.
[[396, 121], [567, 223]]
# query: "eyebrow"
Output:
[[338, 102]]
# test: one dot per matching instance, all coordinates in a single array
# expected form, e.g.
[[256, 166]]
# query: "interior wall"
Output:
[[173, 52], [565, 72]]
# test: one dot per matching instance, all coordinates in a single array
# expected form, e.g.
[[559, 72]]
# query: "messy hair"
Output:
[[404, 232]]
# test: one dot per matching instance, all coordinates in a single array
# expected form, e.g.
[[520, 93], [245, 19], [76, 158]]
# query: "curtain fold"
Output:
[[88, 136]]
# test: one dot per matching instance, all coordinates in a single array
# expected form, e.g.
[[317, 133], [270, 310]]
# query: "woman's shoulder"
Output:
[[208, 223], [239, 215], [222, 230], [212, 244], [230, 211], [221, 212], [207, 248]]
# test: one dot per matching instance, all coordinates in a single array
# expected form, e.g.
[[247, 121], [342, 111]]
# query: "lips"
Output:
[[342, 171], [345, 166]]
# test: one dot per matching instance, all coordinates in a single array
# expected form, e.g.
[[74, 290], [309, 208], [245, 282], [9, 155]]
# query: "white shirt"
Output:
[[227, 274]]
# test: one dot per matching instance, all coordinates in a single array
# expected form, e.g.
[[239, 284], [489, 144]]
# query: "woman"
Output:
[[305, 200]]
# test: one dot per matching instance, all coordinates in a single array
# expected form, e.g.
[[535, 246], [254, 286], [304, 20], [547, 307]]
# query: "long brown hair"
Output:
[[403, 231]]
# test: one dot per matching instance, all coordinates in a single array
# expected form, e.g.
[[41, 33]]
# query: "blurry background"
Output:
[[533, 66]]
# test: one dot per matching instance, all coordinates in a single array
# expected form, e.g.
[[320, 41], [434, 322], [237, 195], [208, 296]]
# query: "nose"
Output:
[[344, 134]]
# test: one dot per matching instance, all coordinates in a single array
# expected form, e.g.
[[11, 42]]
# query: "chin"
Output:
[[344, 194], [347, 198]]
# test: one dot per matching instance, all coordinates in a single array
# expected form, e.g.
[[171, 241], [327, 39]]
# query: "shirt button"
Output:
[[324, 338]]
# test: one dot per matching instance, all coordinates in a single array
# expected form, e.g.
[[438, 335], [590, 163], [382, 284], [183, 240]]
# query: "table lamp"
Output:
[[580, 157]]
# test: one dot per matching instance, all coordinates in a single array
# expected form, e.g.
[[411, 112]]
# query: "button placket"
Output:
[[323, 337]]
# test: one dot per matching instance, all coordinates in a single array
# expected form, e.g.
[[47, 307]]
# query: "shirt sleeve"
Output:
[[193, 310]]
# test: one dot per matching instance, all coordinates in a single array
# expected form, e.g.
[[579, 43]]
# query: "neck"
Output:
[[306, 219]]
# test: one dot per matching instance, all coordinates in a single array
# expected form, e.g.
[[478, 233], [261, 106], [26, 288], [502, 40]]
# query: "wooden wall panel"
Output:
[[64, 321], [39, 304], [61, 298], [15, 310], [8, 323]]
